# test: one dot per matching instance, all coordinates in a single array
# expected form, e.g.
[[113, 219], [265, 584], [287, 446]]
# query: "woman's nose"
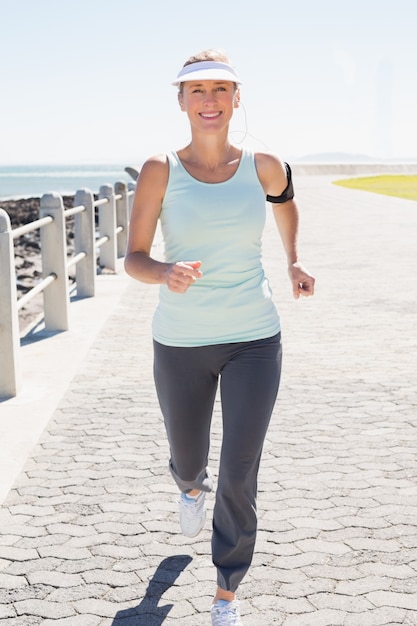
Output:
[[209, 96]]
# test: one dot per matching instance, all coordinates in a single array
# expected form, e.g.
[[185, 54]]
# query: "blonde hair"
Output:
[[211, 54]]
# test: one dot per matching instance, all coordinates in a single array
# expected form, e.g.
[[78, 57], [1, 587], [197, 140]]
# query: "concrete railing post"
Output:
[[131, 187], [54, 261], [9, 319], [84, 236], [122, 217], [107, 228]]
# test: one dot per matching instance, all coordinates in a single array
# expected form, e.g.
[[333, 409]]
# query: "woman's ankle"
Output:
[[222, 594]]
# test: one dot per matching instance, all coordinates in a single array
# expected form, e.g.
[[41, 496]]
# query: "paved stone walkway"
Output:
[[89, 532]]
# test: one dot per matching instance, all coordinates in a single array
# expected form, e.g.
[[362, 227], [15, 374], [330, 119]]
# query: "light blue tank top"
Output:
[[221, 225]]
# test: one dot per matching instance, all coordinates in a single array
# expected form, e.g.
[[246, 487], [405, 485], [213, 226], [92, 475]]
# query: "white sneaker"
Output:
[[192, 513], [225, 614]]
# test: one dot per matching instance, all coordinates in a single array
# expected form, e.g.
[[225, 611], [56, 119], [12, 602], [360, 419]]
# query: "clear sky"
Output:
[[90, 80]]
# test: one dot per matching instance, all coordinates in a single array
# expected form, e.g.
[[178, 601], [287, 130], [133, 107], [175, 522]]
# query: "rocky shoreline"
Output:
[[27, 252]]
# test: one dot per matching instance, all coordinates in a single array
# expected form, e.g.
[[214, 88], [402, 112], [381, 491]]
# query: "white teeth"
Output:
[[210, 114]]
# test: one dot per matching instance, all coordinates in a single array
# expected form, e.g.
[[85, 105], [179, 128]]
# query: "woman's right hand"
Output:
[[180, 276]]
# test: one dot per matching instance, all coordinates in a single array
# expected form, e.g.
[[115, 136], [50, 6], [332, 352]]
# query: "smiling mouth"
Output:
[[210, 116]]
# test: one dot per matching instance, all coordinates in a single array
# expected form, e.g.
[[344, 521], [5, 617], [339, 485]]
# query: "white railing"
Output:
[[114, 206]]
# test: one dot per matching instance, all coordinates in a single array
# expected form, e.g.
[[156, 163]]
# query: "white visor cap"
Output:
[[207, 70]]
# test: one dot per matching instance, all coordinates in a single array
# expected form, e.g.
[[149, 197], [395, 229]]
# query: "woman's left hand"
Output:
[[302, 282]]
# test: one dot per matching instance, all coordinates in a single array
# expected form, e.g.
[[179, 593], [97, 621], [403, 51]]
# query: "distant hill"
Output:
[[345, 157]]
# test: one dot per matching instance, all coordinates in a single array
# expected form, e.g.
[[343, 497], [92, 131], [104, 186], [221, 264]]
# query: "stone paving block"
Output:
[[408, 542], [120, 528], [409, 619], [101, 608], [123, 507], [26, 592], [276, 574], [12, 553], [63, 552], [8, 540], [63, 517], [340, 602], [388, 570], [44, 609], [370, 544], [76, 620], [45, 540], [388, 598], [274, 618], [268, 546], [110, 577], [323, 617], [315, 522], [306, 588], [21, 568], [130, 595], [283, 512], [358, 521], [79, 566], [71, 594], [30, 494], [117, 551], [91, 541], [317, 545], [408, 585], [390, 532], [6, 612], [385, 616], [301, 560], [71, 530], [8, 581], [284, 605], [406, 555], [363, 585], [341, 536], [54, 579], [6, 517], [133, 620]]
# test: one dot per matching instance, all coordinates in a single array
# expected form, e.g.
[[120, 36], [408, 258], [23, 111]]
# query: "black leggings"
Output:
[[186, 383]]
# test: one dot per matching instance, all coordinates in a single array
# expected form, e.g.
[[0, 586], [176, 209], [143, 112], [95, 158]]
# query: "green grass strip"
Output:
[[398, 185]]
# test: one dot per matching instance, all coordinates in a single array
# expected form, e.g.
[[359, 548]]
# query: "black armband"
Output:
[[288, 193]]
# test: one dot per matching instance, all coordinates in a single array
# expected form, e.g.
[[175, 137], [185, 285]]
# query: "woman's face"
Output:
[[209, 104]]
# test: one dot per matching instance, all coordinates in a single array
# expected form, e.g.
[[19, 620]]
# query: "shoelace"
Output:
[[191, 507]]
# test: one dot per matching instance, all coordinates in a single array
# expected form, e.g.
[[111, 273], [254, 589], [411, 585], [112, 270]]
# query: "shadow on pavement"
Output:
[[148, 613]]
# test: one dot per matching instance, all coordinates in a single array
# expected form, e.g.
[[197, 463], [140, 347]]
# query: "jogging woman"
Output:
[[215, 322]]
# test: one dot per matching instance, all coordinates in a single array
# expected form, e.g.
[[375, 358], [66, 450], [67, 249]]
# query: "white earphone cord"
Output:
[[245, 131]]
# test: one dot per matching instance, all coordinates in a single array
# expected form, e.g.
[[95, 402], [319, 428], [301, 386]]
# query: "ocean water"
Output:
[[24, 181]]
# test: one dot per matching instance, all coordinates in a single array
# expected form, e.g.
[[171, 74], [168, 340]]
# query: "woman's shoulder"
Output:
[[154, 174], [157, 161], [271, 171], [155, 166], [268, 160]]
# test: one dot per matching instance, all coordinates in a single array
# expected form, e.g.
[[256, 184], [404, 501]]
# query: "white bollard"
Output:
[[107, 228], [9, 319], [131, 187], [54, 261], [84, 240], [122, 217]]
